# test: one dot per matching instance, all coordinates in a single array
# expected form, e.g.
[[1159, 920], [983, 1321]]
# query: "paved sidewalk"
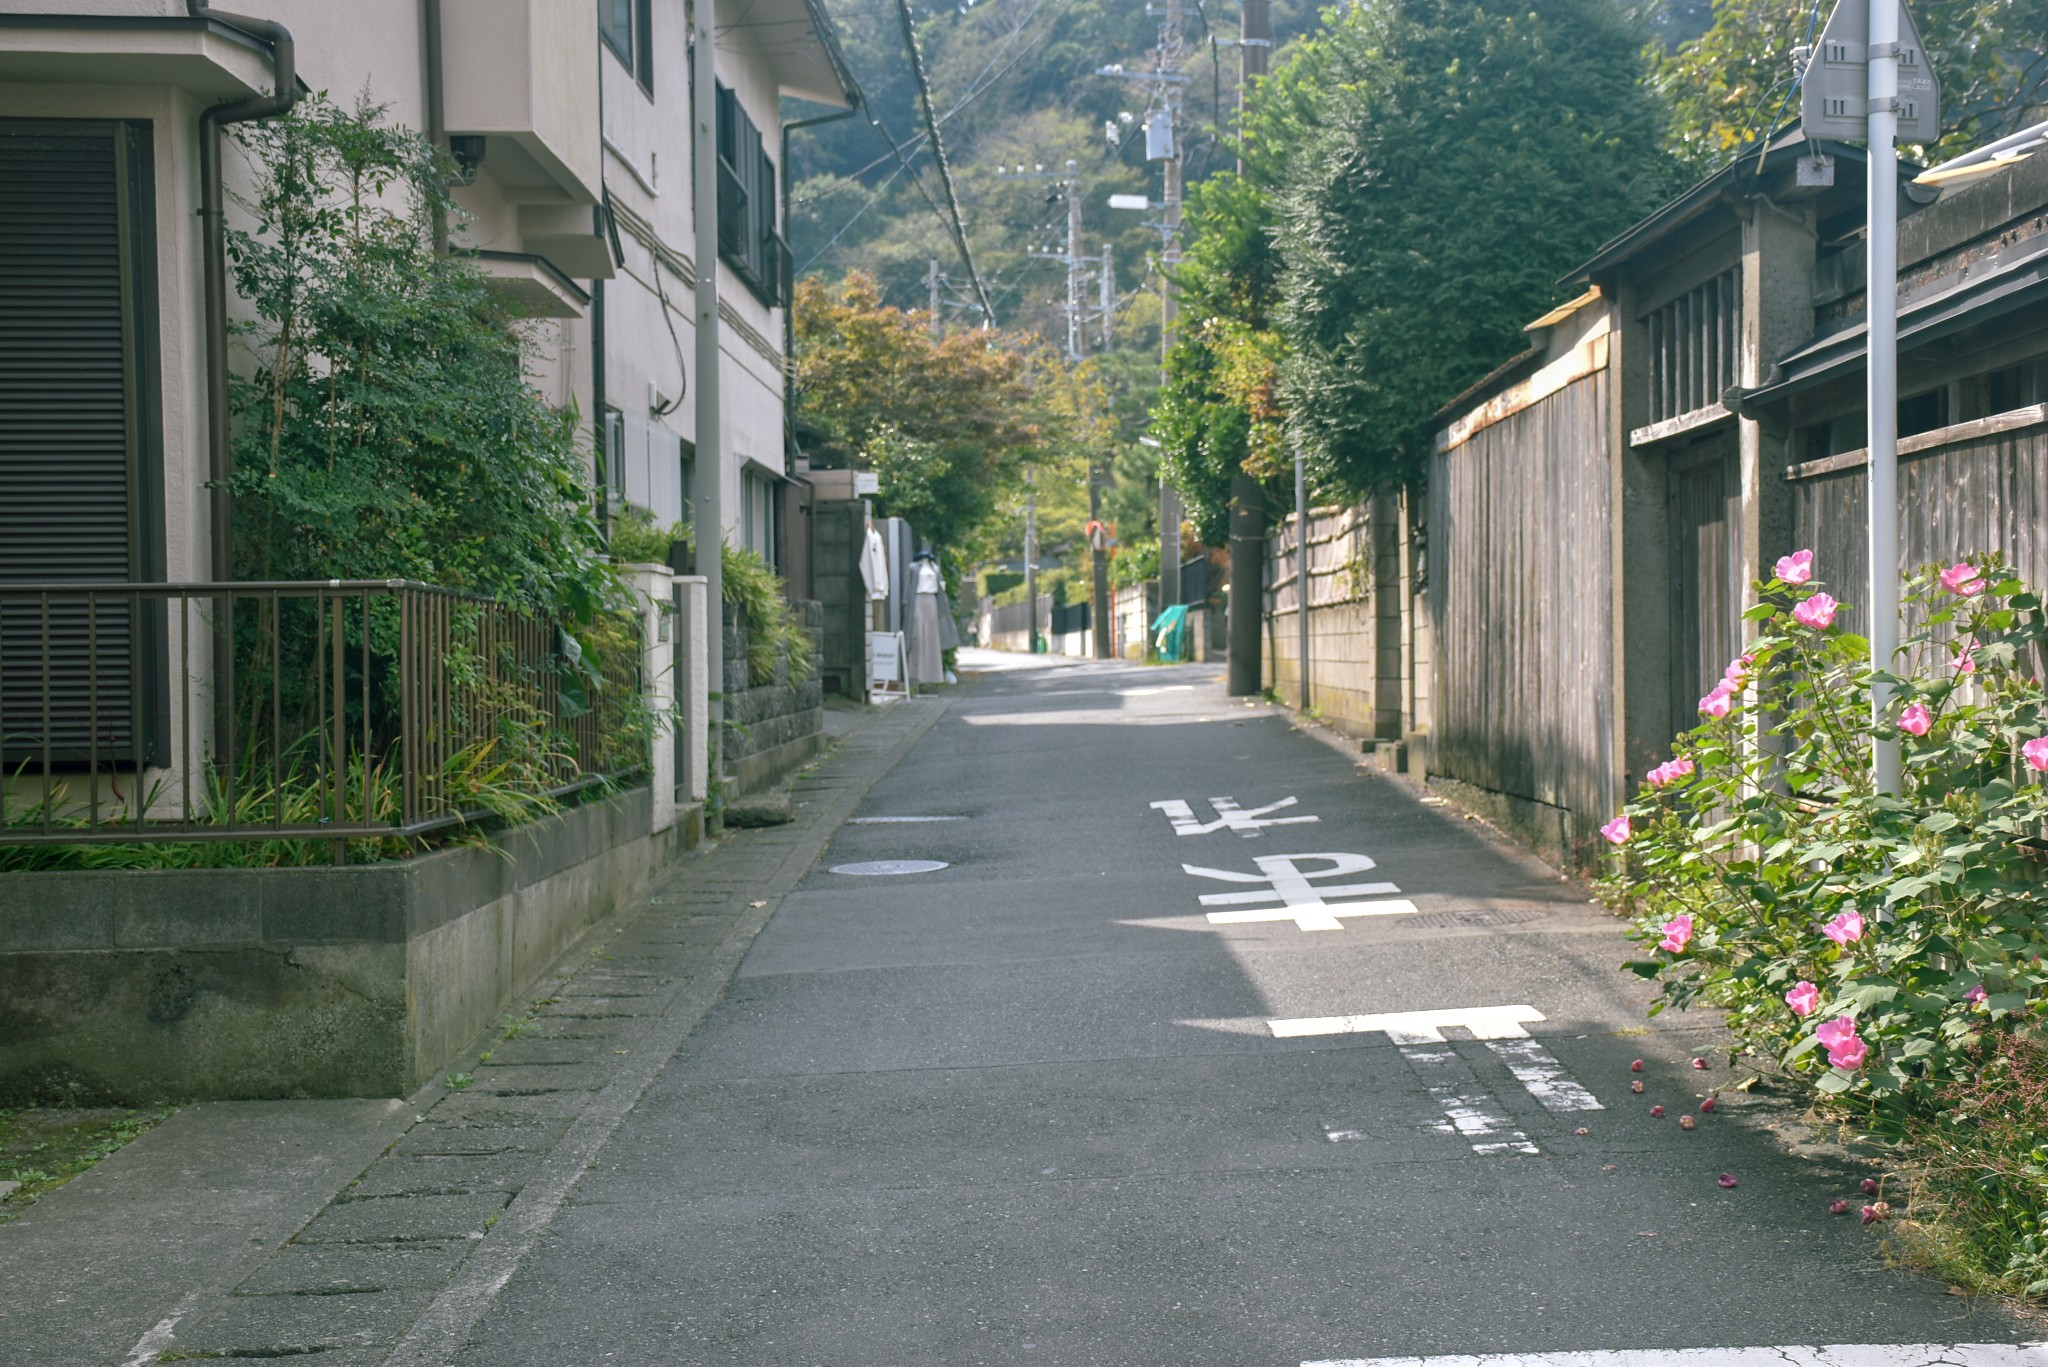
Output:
[[461, 1181]]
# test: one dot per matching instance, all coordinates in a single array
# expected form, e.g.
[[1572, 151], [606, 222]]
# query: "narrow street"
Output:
[[1192, 1043]]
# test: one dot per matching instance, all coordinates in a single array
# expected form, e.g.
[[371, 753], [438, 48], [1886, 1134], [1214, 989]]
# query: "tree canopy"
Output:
[[1734, 82], [1464, 154], [949, 423]]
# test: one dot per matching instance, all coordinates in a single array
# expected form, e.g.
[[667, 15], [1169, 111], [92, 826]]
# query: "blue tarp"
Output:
[[1170, 634]]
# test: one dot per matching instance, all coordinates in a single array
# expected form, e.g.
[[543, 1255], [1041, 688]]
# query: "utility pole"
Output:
[[1031, 562], [1076, 338], [1171, 54], [1871, 78], [1108, 281], [1301, 562], [1881, 373], [708, 469], [1247, 498]]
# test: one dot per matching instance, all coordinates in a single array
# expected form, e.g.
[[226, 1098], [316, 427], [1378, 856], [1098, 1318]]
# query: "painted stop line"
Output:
[[1315, 915], [1826, 1355]]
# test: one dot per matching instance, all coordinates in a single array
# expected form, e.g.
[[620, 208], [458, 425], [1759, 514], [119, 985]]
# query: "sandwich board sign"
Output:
[[885, 665], [1834, 97]]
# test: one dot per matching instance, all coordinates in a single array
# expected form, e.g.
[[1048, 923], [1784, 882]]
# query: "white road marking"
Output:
[[1469, 1109], [1288, 882], [1229, 815], [1544, 1076], [886, 868], [1826, 1355], [1417, 1027], [1315, 915], [898, 820], [150, 1345]]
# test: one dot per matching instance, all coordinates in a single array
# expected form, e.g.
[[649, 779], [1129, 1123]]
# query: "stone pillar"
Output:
[[693, 689], [654, 588]]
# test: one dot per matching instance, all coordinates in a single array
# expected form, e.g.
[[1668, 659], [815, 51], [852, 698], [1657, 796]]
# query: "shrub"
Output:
[[1876, 943]]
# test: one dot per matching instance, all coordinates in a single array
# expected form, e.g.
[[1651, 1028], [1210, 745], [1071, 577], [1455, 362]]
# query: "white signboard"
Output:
[[885, 657], [866, 483]]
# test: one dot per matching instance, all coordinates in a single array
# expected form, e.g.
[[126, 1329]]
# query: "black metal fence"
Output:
[[343, 709]]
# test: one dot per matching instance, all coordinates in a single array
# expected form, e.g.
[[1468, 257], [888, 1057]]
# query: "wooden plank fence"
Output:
[[1520, 578]]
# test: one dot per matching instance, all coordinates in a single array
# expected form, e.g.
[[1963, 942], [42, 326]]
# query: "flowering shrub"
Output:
[[1875, 943]]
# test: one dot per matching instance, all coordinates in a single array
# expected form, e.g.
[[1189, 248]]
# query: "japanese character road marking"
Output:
[[1229, 816], [1293, 887]]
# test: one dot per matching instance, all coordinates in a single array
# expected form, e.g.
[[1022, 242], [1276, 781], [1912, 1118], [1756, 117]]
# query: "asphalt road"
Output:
[[1036, 1107]]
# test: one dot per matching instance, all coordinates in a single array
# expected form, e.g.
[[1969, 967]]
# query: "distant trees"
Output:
[[1734, 82], [1417, 178], [949, 424]]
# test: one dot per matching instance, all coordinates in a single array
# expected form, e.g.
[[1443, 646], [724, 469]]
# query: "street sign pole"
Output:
[[1881, 375], [1870, 78]]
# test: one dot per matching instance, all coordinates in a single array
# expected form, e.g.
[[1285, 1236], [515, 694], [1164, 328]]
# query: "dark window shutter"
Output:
[[72, 431]]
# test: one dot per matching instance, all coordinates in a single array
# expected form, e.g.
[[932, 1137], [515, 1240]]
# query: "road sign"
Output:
[[1834, 99]]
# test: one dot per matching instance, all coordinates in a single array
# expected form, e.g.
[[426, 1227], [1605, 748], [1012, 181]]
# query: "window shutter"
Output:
[[71, 436]]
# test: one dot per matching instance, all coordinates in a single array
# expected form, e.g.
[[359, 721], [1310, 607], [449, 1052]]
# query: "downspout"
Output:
[[284, 94], [789, 309], [437, 115]]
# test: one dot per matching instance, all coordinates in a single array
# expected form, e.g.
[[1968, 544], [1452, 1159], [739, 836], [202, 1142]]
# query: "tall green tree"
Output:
[[1464, 154], [1734, 82]]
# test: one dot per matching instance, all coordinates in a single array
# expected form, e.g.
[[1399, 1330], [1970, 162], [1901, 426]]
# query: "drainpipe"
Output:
[[437, 116], [789, 309], [284, 94]]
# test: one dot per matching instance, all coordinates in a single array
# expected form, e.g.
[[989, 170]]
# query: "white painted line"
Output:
[[150, 1345], [1827, 1355], [1288, 883], [898, 820], [1469, 1109], [889, 868], [1416, 1027], [1341, 1136], [1544, 1076], [1315, 915], [1229, 815]]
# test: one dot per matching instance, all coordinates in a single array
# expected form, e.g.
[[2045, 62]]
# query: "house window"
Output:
[[1695, 348], [627, 27], [759, 508], [747, 239]]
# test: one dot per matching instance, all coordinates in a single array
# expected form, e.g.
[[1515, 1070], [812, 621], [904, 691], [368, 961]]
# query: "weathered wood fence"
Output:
[[1520, 591]]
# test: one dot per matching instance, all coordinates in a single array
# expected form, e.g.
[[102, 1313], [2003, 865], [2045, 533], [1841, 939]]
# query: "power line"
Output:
[[931, 126]]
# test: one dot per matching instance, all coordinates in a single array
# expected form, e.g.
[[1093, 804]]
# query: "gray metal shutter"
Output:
[[72, 428]]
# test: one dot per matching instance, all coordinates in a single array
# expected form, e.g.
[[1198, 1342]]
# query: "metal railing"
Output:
[[275, 710]]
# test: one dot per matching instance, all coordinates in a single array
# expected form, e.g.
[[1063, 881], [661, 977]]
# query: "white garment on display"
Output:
[[874, 567], [927, 577]]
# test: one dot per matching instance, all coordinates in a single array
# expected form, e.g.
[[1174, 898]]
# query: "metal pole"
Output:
[[1074, 335], [1098, 574], [1881, 393], [707, 470], [1108, 282], [931, 281], [1301, 560], [1030, 563]]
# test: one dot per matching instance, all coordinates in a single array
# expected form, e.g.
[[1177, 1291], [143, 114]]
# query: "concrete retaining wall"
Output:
[[359, 981]]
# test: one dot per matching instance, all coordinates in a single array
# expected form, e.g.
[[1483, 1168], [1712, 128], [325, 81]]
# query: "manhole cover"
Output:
[[880, 867]]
